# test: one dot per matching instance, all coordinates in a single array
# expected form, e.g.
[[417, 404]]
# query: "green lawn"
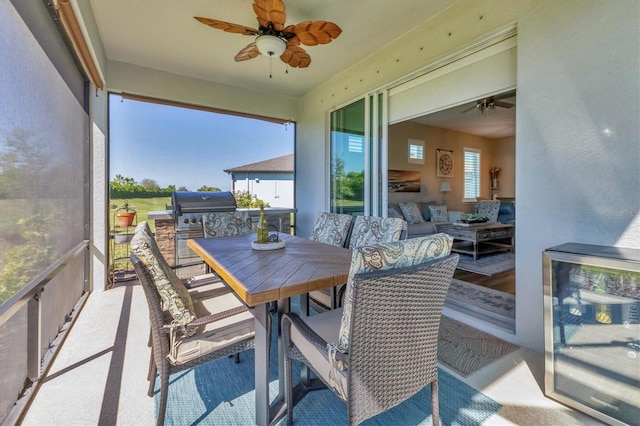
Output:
[[142, 206]]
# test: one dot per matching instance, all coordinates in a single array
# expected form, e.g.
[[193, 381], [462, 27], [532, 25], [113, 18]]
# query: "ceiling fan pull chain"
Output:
[[270, 65]]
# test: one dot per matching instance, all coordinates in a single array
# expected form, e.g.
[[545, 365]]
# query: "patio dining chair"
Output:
[[489, 209], [366, 230], [185, 331], [218, 224], [381, 348], [331, 228], [201, 285]]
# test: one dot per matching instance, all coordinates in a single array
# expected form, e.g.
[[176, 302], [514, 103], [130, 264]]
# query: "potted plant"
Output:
[[125, 216]]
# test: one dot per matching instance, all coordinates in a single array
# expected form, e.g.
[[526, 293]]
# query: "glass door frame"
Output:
[[375, 124]]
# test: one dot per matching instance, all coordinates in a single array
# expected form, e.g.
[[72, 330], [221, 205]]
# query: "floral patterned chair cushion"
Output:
[[143, 227], [489, 209], [383, 256], [439, 213], [368, 230], [220, 224], [174, 294], [411, 212], [331, 228]]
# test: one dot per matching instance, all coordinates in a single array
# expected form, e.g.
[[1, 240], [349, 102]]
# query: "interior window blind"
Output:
[[471, 173]]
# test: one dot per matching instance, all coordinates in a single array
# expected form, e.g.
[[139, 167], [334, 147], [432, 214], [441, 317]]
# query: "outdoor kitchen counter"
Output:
[[160, 215], [169, 215], [171, 237]]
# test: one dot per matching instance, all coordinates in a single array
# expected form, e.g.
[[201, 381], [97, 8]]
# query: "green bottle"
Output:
[[262, 228]]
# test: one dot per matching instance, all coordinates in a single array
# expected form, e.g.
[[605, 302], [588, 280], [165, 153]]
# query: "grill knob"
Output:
[[194, 220], [186, 221]]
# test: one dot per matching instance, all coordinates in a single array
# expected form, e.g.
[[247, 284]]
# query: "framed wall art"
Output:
[[404, 181], [444, 163]]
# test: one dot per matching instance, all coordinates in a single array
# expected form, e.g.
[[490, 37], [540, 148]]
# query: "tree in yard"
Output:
[[149, 184], [207, 188], [245, 200]]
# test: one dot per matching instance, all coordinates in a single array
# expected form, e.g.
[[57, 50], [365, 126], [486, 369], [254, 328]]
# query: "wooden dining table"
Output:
[[260, 277]]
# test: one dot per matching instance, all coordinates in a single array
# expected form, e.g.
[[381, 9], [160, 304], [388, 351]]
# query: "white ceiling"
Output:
[[497, 123], [163, 35]]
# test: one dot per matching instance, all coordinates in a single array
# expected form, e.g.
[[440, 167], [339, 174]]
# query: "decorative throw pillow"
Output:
[[439, 213], [393, 212], [411, 212], [383, 256], [424, 207]]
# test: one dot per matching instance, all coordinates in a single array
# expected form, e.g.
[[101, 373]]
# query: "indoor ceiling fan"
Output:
[[491, 103], [272, 38]]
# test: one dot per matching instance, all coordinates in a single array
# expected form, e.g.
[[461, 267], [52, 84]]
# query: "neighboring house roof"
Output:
[[278, 164]]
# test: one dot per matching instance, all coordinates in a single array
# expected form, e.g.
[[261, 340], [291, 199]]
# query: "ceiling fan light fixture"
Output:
[[270, 45]]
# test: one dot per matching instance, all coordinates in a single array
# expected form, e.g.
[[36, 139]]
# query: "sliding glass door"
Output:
[[358, 137]]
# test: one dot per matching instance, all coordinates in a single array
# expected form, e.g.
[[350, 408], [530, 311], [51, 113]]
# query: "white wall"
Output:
[[128, 78], [99, 193], [456, 28], [577, 74], [276, 192]]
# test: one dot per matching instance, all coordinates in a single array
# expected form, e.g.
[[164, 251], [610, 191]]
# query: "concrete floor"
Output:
[[99, 376]]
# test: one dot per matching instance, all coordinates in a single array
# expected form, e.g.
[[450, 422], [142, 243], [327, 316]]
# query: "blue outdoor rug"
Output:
[[221, 392]]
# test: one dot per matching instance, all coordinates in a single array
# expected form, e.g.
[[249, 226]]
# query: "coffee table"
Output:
[[478, 239]]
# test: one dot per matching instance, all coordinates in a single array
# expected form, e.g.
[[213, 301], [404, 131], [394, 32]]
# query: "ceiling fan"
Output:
[[274, 39], [491, 103]]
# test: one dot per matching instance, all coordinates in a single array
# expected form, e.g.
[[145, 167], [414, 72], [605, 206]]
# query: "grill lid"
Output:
[[200, 202]]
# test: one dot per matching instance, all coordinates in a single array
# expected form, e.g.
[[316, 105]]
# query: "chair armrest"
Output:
[[219, 316], [304, 329], [200, 280]]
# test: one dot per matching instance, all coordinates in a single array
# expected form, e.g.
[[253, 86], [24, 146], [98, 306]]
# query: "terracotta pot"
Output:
[[125, 218]]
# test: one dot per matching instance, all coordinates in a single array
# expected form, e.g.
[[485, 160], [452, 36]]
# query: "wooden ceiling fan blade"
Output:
[[227, 26], [317, 32], [293, 38], [296, 57], [503, 104], [270, 11], [249, 52]]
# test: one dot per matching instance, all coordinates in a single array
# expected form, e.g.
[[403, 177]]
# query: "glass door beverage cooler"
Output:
[[592, 330]]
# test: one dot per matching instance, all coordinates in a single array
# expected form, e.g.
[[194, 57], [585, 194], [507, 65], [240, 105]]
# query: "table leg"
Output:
[[262, 364], [475, 250], [278, 408]]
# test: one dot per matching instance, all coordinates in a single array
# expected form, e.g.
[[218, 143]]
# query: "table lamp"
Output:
[[444, 188]]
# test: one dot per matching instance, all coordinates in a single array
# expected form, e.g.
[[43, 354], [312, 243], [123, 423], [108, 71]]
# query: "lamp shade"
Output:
[[270, 45], [444, 186]]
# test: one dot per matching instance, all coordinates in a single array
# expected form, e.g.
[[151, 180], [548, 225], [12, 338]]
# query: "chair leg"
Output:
[[151, 376], [435, 407], [164, 390], [288, 390], [151, 371]]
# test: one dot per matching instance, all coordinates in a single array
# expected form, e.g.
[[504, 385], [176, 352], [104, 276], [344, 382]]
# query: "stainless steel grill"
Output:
[[188, 210], [189, 207]]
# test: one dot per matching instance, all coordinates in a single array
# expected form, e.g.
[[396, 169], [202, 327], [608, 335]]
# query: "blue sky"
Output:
[[184, 147]]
